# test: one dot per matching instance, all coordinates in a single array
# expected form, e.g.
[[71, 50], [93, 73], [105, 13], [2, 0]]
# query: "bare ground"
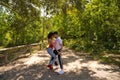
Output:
[[77, 66]]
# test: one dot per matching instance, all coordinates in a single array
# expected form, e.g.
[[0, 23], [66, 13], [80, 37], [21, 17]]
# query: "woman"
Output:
[[50, 50]]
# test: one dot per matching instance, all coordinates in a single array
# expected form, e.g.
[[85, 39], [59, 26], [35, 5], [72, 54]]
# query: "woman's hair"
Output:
[[55, 32], [50, 35]]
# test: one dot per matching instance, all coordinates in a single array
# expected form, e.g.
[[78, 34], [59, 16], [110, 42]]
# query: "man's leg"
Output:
[[61, 64], [60, 61]]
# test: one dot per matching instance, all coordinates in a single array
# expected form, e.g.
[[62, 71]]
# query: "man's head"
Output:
[[56, 34]]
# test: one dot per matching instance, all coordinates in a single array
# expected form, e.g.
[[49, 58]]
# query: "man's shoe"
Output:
[[61, 72]]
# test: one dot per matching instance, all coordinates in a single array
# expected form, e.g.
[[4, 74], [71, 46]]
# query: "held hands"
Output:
[[59, 52]]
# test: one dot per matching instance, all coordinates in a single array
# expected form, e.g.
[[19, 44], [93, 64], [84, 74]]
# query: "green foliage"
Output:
[[89, 25], [100, 23], [94, 28], [20, 23]]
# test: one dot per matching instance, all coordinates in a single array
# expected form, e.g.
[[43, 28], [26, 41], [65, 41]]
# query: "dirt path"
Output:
[[77, 66]]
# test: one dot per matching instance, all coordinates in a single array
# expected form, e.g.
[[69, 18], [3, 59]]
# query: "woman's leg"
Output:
[[55, 52], [52, 54], [51, 60]]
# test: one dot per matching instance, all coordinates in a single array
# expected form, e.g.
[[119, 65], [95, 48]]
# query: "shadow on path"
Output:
[[77, 67], [39, 72]]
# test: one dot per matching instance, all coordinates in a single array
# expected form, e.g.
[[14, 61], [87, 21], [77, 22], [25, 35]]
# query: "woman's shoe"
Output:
[[50, 67]]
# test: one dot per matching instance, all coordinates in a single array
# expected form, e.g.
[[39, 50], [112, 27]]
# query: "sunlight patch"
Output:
[[35, 59], [103, 71]]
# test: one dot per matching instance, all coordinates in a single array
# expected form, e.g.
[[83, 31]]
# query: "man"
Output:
[[57, 51]]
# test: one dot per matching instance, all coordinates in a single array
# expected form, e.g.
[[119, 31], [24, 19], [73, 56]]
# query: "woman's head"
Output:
[[50, 35]]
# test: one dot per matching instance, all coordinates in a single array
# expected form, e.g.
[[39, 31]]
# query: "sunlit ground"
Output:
[[76, 67]]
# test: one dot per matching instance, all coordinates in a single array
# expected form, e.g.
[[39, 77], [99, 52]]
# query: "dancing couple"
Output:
[[54, 49]]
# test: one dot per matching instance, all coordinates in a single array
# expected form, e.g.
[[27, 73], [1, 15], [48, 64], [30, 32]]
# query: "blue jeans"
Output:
[[52, 54]]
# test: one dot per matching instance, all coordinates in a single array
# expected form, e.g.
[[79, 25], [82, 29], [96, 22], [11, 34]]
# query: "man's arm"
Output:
[[60, 50], [61, 44]]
